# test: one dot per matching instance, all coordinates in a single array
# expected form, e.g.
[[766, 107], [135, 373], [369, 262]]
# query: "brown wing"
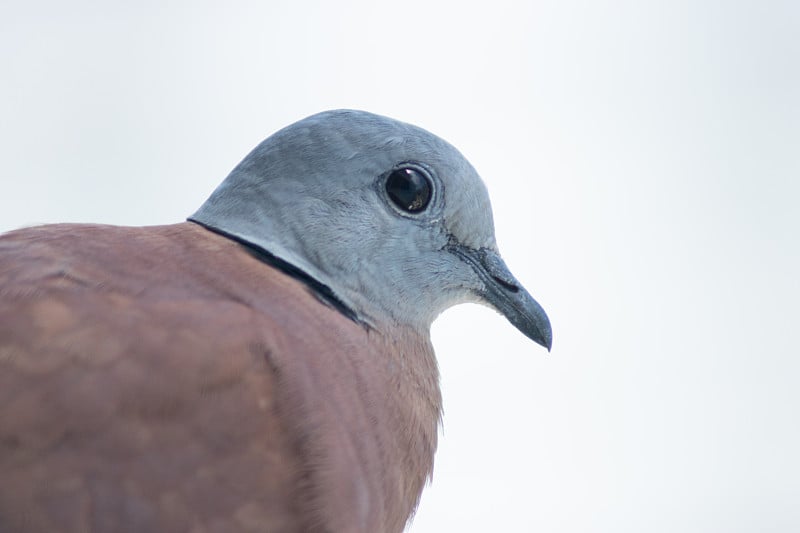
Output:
[[128, 406], [162, 379]]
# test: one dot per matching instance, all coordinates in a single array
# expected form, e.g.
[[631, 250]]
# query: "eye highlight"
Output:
[[409, 189]]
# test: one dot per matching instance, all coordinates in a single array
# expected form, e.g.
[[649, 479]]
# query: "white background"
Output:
[[643, 159]]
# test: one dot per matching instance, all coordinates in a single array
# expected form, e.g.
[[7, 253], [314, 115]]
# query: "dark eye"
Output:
[[409, 189]]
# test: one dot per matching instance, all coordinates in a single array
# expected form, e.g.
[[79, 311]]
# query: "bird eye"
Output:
[[409, 189]]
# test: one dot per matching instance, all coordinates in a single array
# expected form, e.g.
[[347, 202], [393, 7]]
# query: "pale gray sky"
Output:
[[644, 163]]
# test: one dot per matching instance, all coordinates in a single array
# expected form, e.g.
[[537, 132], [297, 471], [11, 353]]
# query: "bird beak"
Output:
[[503, 292]]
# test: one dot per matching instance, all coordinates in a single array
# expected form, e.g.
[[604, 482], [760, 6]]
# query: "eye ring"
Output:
[[409, 188]]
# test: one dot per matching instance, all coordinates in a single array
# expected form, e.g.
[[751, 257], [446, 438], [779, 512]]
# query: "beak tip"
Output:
[[546, 339], [537, 325]]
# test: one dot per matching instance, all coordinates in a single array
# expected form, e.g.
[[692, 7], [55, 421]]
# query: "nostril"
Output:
[[508, 284]]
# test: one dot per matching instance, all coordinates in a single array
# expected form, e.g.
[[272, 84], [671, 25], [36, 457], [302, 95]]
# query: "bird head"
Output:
[[390, 218]]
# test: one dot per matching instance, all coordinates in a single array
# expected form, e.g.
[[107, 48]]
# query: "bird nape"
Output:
[[264, 366]]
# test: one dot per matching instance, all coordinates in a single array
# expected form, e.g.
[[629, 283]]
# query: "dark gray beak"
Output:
[[503, 292]]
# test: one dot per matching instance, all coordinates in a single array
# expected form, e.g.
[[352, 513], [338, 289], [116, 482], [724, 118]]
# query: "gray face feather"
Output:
[[314, 195]]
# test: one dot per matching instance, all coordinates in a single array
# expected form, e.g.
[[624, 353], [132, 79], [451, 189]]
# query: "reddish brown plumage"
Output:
[[164, 379]]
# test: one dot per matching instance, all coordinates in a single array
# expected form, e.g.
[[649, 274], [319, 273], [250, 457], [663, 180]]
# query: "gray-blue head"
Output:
[[389, 218]]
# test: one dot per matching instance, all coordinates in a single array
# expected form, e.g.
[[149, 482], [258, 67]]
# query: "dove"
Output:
[[265, 365]]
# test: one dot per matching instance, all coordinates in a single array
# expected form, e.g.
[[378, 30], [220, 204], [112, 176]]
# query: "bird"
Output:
[[264, 365]]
